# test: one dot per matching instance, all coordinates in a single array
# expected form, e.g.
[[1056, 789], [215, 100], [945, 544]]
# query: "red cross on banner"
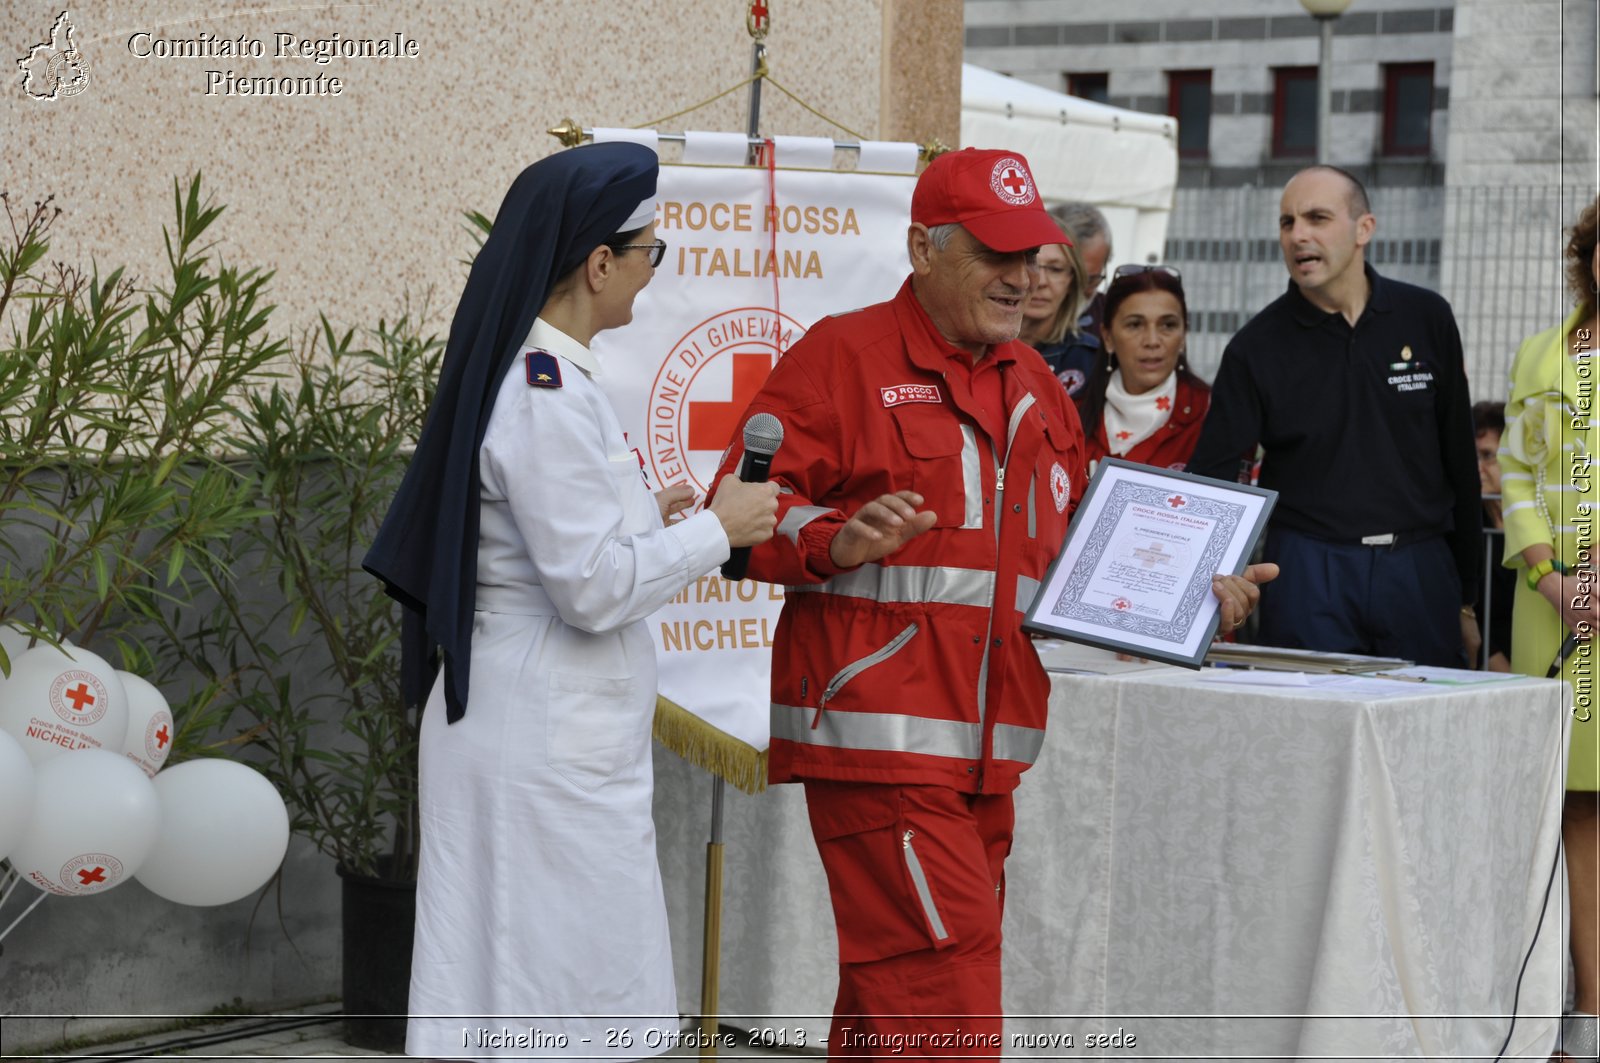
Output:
[[712, 424], [80, 696], [88, 877], [1015, 183]]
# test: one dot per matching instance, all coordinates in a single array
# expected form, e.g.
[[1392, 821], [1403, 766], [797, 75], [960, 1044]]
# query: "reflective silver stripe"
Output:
[[909, 583], [1027, 591], [896, 733], [887, 731], [855, 668], [798, 517], [924, 894], [1012, 742], [971, 478], [1033, 506], [1023, 406]]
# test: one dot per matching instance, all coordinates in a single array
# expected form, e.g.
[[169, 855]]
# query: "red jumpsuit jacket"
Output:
[[1173, 443], [913, 669]]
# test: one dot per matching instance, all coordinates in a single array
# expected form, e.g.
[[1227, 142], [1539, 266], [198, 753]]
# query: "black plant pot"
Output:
[[379, 917]]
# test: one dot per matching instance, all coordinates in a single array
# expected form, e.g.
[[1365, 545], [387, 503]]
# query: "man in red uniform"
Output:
[[929, 466]]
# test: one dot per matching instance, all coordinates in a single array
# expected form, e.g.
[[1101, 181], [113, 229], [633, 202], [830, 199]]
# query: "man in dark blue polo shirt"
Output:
[[1354, 387]]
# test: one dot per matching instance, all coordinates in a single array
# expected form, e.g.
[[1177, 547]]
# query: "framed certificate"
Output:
[[1135, 572]]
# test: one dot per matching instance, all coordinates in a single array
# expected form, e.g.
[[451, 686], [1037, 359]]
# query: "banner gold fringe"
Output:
[[709, 747]]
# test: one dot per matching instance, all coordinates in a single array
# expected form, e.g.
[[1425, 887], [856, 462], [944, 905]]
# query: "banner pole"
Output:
[[757, 20]]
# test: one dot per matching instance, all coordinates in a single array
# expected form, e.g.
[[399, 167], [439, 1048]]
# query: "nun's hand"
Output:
[[674, 500], [748, 511], [1240, 594]]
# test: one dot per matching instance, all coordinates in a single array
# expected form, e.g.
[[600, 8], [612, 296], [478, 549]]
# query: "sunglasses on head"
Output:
[[1133, 269]]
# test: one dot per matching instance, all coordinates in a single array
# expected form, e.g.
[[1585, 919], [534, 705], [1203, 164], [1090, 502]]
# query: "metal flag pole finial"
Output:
[[932, 150], [569, 132], [758, 20]]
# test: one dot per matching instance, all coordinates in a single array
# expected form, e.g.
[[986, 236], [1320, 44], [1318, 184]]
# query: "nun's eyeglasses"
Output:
[[658, 250]]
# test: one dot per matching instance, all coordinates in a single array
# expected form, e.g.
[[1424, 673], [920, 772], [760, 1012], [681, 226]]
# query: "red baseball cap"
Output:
[[991, 193]]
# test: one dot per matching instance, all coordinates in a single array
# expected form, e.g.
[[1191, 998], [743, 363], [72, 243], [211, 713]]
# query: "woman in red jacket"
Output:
[[1142, 403]]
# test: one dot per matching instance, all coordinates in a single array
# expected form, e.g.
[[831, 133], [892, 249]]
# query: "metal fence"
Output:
[[1494, 252]]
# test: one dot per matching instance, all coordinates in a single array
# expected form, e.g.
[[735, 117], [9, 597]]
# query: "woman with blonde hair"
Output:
[[1050, 315], [1547, 497]]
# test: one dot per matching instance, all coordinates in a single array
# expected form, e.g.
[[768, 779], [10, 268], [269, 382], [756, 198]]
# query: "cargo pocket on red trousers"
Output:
[[884, 901]]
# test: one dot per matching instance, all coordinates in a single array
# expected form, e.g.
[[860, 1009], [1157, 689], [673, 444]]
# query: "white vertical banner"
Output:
[[753, 259]]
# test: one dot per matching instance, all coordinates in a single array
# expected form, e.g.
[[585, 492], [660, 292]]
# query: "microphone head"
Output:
[[763, 434]]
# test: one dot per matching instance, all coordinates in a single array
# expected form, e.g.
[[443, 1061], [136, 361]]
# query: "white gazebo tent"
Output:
[[1124, 162]]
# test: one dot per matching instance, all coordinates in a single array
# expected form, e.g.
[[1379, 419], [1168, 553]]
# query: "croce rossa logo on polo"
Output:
[[54, 67]]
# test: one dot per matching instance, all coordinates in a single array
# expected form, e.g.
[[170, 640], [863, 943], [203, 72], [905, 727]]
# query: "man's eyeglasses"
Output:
[[658, 250], [1133, 269]]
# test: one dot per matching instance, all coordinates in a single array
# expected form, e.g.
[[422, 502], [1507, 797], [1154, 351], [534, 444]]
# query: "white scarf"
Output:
[[1131, 419]]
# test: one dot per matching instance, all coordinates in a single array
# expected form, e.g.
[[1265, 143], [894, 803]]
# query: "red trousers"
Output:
[[917, 878]]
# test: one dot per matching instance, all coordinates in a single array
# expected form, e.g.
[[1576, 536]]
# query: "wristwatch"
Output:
[[1543, 569]]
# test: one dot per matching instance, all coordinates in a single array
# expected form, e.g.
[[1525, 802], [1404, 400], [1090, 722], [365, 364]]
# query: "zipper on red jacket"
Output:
[[1024, 404], [855, 668]]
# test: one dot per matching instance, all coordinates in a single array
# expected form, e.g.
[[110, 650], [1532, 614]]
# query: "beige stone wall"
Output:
[[356, 198]]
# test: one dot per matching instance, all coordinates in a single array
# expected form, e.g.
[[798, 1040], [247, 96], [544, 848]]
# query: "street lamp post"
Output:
[[1326, 12]]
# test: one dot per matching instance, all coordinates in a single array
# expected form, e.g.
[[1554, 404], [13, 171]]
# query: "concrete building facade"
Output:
[[1472, 122]]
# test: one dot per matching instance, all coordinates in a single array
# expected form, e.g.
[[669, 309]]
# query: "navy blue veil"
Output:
[[426, 552]]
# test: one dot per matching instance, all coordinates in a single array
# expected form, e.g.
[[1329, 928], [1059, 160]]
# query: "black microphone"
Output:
[[1567, 646], [763, 435]]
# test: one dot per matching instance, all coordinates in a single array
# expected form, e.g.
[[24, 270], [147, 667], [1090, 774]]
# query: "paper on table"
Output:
[[1271, 679], [1317, 682], [1452, 676]]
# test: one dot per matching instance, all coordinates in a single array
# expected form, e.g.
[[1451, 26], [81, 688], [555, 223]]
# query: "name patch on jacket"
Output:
[[544, 371], [910, 393]]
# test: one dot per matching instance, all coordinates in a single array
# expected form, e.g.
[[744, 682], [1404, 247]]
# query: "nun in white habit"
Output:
[[527, 549]]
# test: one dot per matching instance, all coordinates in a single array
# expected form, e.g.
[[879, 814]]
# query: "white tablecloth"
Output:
[[1217, 871]]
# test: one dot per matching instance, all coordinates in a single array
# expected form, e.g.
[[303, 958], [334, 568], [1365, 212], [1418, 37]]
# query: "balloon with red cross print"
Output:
[[224, 830], [150, 729], [95, 820], [57, 701]]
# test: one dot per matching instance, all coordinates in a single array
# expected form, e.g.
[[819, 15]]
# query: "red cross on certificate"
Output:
[[1177, 500], [80, 696]]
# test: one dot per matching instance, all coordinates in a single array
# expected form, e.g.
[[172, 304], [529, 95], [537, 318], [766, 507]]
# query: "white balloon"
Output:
[[16, 793], [150, 729], [95, 820], [55, 703], [224, 831]]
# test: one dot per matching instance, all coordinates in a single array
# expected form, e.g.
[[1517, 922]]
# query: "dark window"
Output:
[[1094, 87], [1407, 108], [1189, 101], [1294, 111]]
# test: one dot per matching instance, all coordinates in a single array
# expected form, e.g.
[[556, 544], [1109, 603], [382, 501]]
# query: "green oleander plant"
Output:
[[118, 499], [317, 660], [190, 494]]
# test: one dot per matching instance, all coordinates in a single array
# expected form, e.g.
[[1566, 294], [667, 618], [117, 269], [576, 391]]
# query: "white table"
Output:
[[1220, 871]]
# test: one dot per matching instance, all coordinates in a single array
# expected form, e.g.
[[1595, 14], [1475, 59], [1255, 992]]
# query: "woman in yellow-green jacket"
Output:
[[1551, 502]]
